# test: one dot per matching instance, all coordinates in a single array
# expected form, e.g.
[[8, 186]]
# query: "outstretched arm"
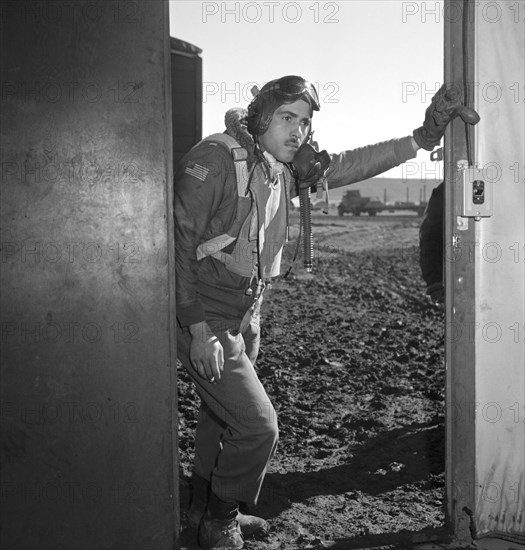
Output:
[[369, 161]]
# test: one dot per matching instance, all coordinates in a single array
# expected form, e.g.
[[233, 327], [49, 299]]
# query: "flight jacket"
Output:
[[205, 205]]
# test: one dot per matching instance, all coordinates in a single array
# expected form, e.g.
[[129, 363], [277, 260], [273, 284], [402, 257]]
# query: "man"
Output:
[[229, 244]]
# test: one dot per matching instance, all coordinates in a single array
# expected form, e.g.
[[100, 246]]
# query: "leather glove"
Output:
[[445, 107], [310, 165]]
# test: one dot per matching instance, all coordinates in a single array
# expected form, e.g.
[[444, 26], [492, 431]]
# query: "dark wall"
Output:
[[88, 454], [186, 71]]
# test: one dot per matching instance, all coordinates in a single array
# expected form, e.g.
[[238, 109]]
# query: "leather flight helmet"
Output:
[[275, 93]]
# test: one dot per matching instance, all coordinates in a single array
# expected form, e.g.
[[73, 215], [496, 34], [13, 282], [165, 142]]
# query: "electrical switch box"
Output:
[[475, 193]]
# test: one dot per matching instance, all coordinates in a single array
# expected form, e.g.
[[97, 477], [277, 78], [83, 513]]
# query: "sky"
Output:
[[376, 63]]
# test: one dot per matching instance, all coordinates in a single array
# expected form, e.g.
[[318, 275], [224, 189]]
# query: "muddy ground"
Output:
[[352, 358]]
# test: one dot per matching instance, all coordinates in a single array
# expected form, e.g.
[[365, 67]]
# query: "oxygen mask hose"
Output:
[[309, 167], [305, 209]]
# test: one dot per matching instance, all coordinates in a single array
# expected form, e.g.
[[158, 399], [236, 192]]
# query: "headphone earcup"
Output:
[[260, 113], [254, 116]]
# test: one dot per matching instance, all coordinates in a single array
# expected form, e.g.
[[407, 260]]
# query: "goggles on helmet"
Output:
[[293, 88]]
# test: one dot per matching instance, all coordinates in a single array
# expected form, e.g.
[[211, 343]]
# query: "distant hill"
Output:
[[387, 190]]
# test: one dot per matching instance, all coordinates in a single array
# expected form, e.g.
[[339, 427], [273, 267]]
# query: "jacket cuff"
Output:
[[189, 315], [404, 149]]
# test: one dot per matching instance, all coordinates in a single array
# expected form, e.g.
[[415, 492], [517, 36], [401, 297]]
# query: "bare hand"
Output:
[[206, 353]]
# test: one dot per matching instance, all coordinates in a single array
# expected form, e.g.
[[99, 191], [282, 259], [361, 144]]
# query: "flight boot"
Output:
[[219, 528], [250, 525]]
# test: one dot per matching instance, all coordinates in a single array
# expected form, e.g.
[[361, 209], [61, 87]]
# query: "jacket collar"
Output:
[[236, 127]]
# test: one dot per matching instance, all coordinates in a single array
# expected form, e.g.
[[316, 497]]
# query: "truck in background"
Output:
[[353, 203]]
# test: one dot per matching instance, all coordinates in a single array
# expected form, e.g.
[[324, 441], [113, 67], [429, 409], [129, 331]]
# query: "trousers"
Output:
[[237, 430]]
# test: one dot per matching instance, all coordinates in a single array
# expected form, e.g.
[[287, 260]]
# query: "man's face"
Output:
[[288, 129]]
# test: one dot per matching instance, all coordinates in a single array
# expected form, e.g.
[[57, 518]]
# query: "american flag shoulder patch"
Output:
[[197, 171]]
